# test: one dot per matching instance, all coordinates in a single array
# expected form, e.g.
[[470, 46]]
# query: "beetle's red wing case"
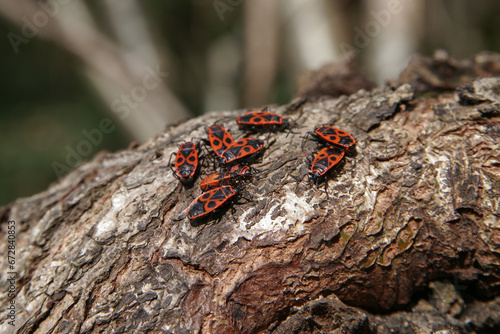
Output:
[[213, 181], [220, 139], [210, 201], [242, 149], [335, 136], [325, 160], [262, 120], [186, 162]]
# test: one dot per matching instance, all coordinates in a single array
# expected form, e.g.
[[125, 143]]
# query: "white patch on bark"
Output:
[[107, 226], [293, 208]]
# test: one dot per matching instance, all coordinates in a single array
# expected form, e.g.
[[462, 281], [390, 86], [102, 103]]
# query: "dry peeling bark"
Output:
[[407, 238]]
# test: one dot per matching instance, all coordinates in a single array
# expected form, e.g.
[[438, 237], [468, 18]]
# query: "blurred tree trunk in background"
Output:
[[396, 32], [262, 44], [310, 39], [117, 72], [280, 39], [405, 236]]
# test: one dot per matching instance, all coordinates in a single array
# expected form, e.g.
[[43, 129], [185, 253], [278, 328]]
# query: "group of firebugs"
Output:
[[235, 156]]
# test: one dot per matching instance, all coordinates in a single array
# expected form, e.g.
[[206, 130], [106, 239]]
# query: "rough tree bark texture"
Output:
[[407, 238]]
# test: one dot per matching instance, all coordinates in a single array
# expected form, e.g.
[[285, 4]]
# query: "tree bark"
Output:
[[406, 237]]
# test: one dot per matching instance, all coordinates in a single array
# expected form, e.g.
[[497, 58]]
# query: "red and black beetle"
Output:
[[333, 136], [242, 151], [219, 138], [186, 162], [222, 178], [325, 160], [262, 121], [210, 201]]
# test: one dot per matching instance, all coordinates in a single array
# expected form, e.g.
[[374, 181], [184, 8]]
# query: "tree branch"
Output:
[[113, 70], [414, 209]]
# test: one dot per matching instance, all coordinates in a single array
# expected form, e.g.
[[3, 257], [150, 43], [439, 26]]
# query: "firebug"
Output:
[[325, 160], [240, 170], [262, 121], [186, 162], [333, 136], [210, 201], [219, 179], [242, 151], [219, 138], [214, 180]]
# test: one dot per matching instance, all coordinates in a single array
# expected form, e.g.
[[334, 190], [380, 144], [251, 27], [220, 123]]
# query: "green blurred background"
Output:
[[221, 54]]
